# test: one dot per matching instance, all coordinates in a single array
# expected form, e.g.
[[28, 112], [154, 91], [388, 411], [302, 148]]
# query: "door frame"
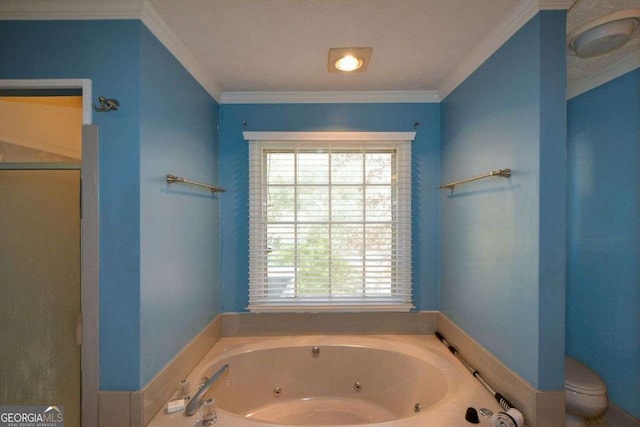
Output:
[[89, 241]]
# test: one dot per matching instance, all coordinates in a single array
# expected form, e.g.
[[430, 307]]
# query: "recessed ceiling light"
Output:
[[604, 35], [349, 59]]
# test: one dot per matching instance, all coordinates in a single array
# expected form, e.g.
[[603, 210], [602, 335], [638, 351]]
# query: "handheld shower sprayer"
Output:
[[511, 417]]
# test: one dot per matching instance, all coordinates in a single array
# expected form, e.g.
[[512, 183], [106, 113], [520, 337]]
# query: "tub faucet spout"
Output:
[[197, 400]]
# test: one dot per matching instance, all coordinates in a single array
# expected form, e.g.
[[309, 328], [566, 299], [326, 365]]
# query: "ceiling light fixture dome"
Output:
[[604, 35]]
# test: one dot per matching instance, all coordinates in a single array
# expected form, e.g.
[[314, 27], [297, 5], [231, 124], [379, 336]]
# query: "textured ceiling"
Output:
[[583, 11], [282, 45]]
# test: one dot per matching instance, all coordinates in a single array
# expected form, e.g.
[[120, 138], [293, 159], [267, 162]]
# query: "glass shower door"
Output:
[[40, 289]]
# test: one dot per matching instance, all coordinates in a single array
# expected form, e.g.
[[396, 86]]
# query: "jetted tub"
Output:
[[395, 380]]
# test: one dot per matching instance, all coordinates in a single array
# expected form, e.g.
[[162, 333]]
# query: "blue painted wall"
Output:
[[234, 166], [498, 283], [603, 269], [116, 56], [179, 230]]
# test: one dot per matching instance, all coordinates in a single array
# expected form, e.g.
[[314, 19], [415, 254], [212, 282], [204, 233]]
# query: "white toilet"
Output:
[[585, 393]]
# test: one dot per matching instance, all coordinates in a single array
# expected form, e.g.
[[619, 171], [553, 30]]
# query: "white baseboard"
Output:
[[619, 418]]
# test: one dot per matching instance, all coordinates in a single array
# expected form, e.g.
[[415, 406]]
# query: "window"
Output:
[[329, 221]]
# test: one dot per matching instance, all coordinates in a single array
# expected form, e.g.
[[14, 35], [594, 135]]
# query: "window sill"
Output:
[[324, 308]]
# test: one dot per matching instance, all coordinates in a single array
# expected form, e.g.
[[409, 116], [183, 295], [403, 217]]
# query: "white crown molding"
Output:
[[613, 71], [329, 97], [556, 4], [69, 9], [515, 20], [148, 14], [520, 15], [152, 19]]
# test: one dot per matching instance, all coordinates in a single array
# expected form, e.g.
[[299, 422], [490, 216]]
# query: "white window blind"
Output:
[[329, 225]]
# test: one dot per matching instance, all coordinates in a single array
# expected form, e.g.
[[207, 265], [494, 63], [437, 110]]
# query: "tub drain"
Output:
[[357, 386], [417, 407]]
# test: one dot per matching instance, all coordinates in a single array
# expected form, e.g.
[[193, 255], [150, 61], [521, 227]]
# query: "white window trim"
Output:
[[301, 137]]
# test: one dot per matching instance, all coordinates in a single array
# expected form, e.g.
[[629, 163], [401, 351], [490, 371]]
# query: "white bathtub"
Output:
[[395, 380]]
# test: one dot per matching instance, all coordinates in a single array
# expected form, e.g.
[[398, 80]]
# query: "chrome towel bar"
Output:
[[505, 173], [172, 179]]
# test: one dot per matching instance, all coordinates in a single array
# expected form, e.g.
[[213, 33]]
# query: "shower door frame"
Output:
[[89, 241]]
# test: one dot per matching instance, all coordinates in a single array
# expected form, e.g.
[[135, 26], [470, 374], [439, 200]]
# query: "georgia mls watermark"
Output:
[[31, 416]]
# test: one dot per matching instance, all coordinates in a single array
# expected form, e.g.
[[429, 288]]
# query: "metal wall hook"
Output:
[[106, 105]]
